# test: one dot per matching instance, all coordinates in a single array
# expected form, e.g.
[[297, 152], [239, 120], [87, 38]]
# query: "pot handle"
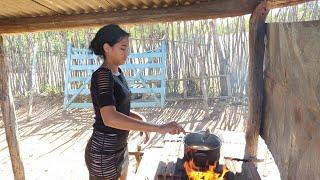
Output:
[[200, 154], [205, 135]]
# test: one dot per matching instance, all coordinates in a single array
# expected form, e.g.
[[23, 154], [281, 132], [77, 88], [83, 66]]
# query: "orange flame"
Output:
[[194, 172]]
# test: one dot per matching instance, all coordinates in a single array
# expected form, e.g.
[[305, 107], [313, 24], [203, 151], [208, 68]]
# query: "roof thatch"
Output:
[[34, 15]]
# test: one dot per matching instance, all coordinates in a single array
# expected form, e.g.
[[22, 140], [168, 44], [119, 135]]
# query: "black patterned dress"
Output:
[[106, 153]]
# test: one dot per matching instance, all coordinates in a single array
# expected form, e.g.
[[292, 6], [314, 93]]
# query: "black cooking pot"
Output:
[[203, 147]]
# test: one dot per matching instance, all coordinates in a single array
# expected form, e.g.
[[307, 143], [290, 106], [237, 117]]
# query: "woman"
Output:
[[106, 152]]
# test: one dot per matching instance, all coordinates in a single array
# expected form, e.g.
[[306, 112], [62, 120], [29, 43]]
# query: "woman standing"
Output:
[[106, 153]]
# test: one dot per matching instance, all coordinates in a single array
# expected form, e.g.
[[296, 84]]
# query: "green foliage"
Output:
[[140, 31], [49, 90]]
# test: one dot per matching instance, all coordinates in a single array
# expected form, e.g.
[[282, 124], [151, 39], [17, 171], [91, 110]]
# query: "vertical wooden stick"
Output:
[[32, 80], [9, 117], [257, 33]]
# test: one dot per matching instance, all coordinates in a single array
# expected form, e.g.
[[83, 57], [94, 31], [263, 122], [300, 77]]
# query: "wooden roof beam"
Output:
[[202, 10]]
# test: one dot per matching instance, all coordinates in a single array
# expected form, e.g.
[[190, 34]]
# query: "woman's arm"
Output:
[[140, 117], [137, 115], [115, 119]]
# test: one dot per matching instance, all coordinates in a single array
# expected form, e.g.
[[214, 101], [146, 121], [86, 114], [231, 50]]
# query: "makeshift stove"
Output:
[[169, 162], [197, 163], [187, 170]]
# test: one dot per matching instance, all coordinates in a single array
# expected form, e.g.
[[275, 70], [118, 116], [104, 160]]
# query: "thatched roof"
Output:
[[35, 15]]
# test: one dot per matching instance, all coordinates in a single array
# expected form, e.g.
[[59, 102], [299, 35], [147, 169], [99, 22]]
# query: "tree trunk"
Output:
[[200, 60], [9, 118], [222, 60], [32, 80]]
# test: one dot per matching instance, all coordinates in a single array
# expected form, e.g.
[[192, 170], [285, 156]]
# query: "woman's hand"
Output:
[[140, 117], [146, 136], [171, 127]]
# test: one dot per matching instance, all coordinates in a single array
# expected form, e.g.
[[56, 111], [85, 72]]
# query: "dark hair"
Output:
[[110, 34]]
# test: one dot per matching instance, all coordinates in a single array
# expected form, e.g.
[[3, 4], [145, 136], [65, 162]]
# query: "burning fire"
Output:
[[195, 173]]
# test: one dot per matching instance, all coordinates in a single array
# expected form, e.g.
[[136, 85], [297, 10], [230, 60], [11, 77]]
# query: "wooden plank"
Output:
[[200, 10], [173, 149], [9, 118], [74, 79], [143, 66], [83, 67], [147, 78], [146, 90], [78, 91], [149, 164], [145, 55], [257, 31], [83, 56], [141, 104], [80, 105], [159, 163]]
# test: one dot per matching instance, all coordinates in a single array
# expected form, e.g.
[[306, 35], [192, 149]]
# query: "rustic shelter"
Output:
[[18, 16]]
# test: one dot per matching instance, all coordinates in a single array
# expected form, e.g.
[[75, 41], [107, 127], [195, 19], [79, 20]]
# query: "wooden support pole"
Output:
[[257, 31], [9, 118]]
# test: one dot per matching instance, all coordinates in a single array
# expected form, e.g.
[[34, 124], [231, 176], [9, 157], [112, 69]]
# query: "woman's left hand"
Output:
[[140, 117], [146, 136]]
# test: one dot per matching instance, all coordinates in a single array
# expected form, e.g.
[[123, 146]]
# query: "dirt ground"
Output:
[[52, 143]]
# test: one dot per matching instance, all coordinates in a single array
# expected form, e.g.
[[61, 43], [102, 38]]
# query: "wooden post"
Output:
[[9, 118], [257, 31]]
